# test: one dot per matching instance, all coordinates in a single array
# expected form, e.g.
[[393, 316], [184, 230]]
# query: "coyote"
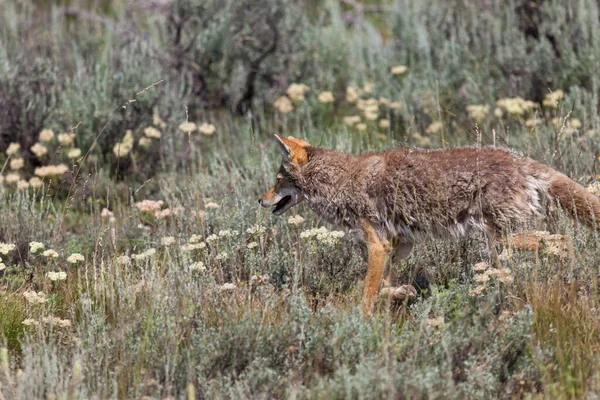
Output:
[[400, 196]]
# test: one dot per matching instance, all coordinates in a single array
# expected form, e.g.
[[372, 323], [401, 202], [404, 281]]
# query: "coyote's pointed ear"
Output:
[[299, 142], [292, 151]]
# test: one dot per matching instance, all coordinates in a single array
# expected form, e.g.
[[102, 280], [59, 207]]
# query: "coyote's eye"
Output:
[[279, 177]]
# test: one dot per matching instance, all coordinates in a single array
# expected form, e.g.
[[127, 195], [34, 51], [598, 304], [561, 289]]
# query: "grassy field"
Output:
[[136, 138]]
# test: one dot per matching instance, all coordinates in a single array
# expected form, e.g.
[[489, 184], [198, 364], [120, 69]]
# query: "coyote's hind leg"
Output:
[[378, 250]]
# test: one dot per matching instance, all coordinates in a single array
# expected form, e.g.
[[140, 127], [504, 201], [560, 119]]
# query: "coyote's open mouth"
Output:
[[282, 205]]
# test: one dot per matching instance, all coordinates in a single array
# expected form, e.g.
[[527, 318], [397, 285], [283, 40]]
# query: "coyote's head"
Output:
[[287, 190]]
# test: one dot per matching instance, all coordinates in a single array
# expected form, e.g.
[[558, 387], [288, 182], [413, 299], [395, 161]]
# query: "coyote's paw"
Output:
[[400, 293]]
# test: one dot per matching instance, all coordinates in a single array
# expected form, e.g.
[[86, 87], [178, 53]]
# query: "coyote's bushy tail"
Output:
[[575, 199]]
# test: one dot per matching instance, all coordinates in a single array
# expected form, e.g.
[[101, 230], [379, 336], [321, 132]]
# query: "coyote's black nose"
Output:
[[260, 201]]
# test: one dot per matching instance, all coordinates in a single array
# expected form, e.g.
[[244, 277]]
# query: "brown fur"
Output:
[[402, 195]]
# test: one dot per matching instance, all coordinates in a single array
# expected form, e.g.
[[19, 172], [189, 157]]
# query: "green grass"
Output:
[[265, 313]]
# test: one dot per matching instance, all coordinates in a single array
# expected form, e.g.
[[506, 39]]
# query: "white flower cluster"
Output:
[[146, 254], [6, 247], [35, 298], [34, 247], [75, 258], [256, 230], [323, 235], [57, 276], [228, 233]]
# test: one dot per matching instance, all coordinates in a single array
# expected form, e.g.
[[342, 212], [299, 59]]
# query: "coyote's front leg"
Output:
[[378, 250]]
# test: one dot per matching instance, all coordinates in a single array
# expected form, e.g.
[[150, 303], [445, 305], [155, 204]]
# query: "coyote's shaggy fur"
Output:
[[399, 196]]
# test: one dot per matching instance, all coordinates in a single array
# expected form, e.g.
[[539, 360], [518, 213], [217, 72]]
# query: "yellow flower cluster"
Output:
[[516, 106], [551, 100], [478, 112], [51, 170], [124, 147]]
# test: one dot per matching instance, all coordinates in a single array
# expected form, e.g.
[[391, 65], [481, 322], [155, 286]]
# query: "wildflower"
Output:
[[296, 91], [46, 135], [384, 123], [75, 258], [12, 178], [56, 275], [256, 230], [17, 163], [368, 87], [22, 185], [498, 112], [504, 276], [222, 256], [30, 322], [152, 132], [228, 233], [63, 323], [371, 116], [351, 94], [74, 153], [435, 127], [295, 220], [478, 290], [195, 239], [146, 254], [35, 182], [283, 105], [12, 149], [326, 97], [51, 170], [35, 246], [207, 129], [34, 298], [193, 246], [2, 266], [39, 149], [198, 266], [479, 267], [399, 70], [123, 260], [5, 248], [66, 139], [395, 105], [533, 122], [482, 278], [168, 240], [158, 121], [50, 253], [149, 205], [594, 188], [227, 287], [351, 120], [106, 213], [187, 127], [212, 238], [124, 147], [478, 112], [212, 205], [252, 245], [361, 127], [551, 100], [516, 106]]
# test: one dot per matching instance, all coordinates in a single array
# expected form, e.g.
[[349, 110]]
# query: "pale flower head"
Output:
[[384, 123], [17, 163], [399, 70], [13, 149], [66, 139], [187, 127], [30, 322], [106, 213], [34, 247], [351, 94], [296, 91], [46, 135], [75, 258], [351, 120], [152, 132], [51, 170], [295, 220], [435, 127], [50, 253], [57, 276], [361, 126], [198, 266], [212, 205], [168, 240], [326, 97], [74, 153], [35, 182], [395, 105], [145, 142], [5, 248], [207, 129], [39, 150], [34, 298], [283, 105], [252, 245]]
